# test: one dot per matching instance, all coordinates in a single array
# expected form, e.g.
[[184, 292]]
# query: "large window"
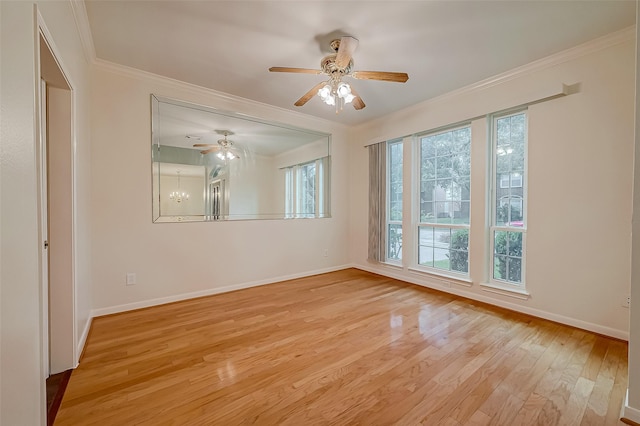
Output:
[[303, 187], [508, 225], [394, 201], [445, 187]]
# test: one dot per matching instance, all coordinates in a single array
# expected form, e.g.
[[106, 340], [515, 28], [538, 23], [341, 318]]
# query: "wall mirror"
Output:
[[210, 165]]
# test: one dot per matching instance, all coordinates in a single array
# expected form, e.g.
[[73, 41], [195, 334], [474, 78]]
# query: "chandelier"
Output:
[[336, 92], [179, 196]]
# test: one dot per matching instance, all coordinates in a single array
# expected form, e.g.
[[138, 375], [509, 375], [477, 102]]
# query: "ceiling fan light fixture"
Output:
[[325, 92], [330, 100], [343, 90], [336, 92], [337, 65], [224, 148], [226, 155]]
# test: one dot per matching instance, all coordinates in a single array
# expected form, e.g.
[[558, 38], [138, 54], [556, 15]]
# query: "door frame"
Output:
[[71, 331]]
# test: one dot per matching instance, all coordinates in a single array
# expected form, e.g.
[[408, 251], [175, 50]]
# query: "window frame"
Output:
[[493, 227], [294, 189], [420, 224]]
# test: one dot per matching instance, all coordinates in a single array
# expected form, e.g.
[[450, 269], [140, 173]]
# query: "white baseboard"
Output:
[[453, 287], [83, 340], [440, 284], [629, 413], [208, 292]]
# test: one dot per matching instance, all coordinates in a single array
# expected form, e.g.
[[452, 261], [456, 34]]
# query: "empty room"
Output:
[[319, 212]]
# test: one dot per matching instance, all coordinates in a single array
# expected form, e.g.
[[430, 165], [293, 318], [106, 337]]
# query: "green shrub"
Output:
[[508, 244], [395, 242], [459, 250]]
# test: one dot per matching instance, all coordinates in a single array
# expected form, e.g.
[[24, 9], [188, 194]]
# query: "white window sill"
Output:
[[392, 265], [506, 290], [443, 278]]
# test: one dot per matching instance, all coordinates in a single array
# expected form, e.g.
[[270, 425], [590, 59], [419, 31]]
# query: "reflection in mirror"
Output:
[[209, 164]]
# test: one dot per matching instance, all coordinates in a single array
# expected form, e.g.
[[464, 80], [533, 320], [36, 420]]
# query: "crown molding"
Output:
[[606, 41], [84, 29], [595, 45], [238, 103]]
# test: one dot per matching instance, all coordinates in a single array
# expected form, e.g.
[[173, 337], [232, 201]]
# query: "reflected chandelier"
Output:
[[179, 195]]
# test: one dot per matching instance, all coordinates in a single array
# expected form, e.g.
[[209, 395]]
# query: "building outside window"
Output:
[[444, 207], [508, 198]]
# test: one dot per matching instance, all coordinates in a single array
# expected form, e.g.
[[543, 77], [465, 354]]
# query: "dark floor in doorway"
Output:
[[56, 385]]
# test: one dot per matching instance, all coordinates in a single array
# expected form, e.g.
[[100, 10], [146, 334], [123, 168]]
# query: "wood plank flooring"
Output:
[[344, 348]]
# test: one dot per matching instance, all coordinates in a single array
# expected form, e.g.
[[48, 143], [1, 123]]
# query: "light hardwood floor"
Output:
[[347, 347]]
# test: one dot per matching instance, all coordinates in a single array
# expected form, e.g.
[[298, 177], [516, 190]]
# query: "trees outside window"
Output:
[[444, 207], [508, 197], [394, 200]]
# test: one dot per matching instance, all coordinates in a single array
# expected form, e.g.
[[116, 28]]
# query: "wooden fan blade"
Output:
[[348, 45], [206, 151], [296, 70], [357, 102], [199, 145], [305, 98], [397, 77]]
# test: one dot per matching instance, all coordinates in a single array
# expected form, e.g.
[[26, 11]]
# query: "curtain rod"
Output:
[[567, 89]]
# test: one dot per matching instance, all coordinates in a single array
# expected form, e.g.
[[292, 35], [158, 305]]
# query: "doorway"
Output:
[[55, 169]]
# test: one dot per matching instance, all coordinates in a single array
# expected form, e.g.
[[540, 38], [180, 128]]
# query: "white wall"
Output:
[[21, 368], [250, 187], [304, 154], [580, 175], [174, 260], [20, 338]]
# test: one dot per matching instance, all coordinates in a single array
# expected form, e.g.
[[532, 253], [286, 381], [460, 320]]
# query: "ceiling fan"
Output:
[[223, 146], [338, 65]]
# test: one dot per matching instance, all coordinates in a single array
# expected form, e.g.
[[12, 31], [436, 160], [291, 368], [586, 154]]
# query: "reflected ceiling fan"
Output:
[[223, 146], [338, 65]]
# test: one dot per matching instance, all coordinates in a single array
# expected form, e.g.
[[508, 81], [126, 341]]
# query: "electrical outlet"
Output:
[[131, 278], [626, 302], [325, 252]]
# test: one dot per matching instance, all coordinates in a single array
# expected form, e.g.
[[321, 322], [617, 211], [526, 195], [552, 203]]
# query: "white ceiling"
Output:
[[443, 45]]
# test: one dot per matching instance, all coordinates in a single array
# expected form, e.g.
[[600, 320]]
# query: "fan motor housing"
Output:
[[328, 65]]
